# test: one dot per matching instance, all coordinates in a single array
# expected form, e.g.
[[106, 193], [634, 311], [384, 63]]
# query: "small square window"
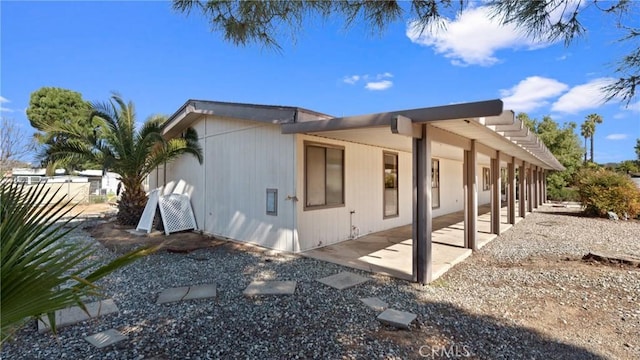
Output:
[[272, 201]]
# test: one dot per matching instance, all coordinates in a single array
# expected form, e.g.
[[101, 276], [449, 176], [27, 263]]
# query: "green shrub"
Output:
[[603, 190], [563, 194]]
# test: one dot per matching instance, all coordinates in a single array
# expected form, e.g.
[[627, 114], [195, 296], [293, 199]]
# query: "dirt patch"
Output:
[[116, 238]]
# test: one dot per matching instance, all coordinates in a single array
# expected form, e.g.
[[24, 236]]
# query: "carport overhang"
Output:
[[477, 127]]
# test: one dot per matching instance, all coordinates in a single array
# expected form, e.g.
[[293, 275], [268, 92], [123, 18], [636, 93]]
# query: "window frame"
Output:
[[437, 178], [384, 184], [306, 145], [486, 179]]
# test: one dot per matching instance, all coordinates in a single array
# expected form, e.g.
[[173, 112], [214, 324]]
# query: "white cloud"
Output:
[[617, 136], [582, 97], [472, 38], [377, 82], [4, 100], [531, 93], [378, 85], [351, 79]]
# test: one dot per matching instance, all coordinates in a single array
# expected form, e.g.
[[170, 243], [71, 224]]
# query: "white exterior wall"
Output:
[[228, 191], [363, 191]]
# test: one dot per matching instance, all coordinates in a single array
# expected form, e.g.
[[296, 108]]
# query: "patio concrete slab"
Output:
[[105, 338], [390, 252], [397, 318], [76, 314], [257, 288], [187, 293], [375, 303], [343, 280]]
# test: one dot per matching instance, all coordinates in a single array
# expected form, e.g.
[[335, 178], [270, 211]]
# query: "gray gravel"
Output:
[[525, 295]]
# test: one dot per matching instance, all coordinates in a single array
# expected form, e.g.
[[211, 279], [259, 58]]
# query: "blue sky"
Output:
[[159, 59]]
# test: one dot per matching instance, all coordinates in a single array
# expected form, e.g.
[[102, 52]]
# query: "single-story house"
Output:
[[292, 179]]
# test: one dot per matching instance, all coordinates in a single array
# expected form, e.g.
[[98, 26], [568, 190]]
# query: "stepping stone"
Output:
[[270, 288], [187, 293], [105, 338], [375, 303], [76, 314], [343, 280], [397, 318]]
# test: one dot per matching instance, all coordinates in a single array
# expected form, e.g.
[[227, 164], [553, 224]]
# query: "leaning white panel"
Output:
[[176, 212], [146, 220]]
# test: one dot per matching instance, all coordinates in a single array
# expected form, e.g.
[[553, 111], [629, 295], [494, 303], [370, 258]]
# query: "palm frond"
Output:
[[40, 272]]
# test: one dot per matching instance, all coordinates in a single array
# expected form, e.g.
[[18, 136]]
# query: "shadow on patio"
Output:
[[389, 252]]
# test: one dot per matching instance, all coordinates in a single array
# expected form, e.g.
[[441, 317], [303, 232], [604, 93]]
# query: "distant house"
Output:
[[292, 179]]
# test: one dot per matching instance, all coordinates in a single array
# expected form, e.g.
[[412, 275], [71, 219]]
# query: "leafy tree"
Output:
[[51, 108], [244, 22], [564, 144], [637, 148], [593, 120], [118, 146], [627, 167], [40, 271]]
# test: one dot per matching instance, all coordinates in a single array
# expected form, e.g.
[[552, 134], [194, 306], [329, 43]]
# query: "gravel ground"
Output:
[[525, 295]]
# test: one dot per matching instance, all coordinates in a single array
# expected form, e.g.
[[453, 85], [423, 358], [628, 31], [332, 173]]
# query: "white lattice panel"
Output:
[[176, 212], [146, 220]]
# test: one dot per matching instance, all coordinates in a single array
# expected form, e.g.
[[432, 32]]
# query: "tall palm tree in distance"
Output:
[[133, 153], [594, 119], [586, 130]]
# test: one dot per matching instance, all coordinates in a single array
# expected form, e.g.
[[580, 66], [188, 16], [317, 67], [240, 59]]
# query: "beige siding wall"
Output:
[[363, 194], [242, 159]]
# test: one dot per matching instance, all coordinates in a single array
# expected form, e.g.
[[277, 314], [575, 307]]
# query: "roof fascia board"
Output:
[[423, 115]]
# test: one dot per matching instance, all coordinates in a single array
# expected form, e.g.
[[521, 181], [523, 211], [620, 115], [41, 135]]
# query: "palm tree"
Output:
[[40, 270], [593, 119], [586, 130], [133, 153]]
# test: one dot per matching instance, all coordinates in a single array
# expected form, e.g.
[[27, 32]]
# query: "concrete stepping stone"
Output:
[[397, 318], [343, 280], [187, 293], [270, 288], [105, 338], [375, 303], [76, 314]]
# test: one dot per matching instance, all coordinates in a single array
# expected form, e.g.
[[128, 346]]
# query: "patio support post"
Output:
[[496, 184], [422, 214], [536, 187], [470, 197], [529, 189], [522, 198], [544, 187], [511, 191]]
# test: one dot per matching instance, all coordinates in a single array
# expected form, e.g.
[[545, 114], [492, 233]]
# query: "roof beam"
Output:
[[423, 115]]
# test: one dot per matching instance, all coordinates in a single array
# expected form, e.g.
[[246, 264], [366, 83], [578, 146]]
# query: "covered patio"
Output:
[[430, 245], [386, 252]]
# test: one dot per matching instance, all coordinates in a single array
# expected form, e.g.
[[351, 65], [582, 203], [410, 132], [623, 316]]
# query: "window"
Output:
[[272, 202], [435, 183], [324, 175], [486, 179], [390, 186]]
